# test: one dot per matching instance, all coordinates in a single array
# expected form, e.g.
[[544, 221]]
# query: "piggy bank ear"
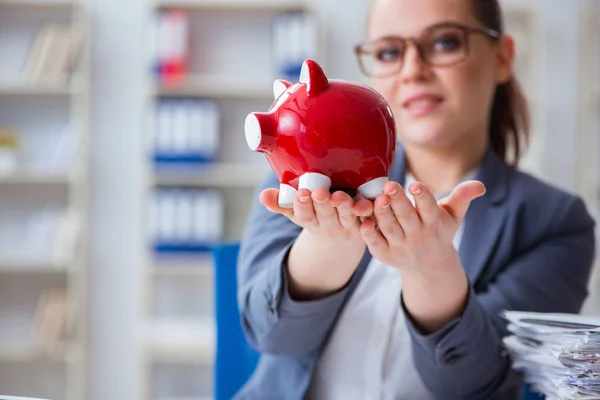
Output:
[[313, 76], [279, 87]]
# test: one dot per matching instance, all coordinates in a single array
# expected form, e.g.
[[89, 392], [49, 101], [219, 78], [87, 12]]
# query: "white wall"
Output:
[[117, 179], [119, 168]]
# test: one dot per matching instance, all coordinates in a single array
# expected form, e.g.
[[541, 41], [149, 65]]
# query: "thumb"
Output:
[[270, 199], [458, 201]]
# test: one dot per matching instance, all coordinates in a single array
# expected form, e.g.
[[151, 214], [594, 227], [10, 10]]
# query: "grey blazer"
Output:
[[526, 246]]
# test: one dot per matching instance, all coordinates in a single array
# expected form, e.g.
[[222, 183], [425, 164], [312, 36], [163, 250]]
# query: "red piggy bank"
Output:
[[325, 133]]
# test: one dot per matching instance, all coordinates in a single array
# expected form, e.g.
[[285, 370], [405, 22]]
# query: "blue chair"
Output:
[[528, 394], [235, 360]]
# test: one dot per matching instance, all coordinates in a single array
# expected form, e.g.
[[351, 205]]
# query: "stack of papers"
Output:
[[559, 354]]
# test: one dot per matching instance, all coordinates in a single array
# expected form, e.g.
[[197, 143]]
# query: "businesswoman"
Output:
[[401, 297]]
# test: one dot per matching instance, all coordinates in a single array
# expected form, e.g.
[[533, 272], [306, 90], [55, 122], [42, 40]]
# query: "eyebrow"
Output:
[[435, 25]]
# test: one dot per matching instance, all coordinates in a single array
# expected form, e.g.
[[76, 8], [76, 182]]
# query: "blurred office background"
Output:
[[123, 160]]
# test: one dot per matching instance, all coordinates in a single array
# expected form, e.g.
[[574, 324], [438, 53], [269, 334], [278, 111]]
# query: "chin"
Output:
[[425, 135]]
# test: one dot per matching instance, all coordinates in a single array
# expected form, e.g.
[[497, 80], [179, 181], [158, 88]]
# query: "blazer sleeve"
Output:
[[466, 358], [272, 321]]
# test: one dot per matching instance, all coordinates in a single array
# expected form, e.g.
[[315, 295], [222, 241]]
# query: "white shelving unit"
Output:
[[35, 192], [230, 62]]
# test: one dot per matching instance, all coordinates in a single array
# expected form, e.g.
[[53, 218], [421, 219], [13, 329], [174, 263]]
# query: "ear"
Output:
[[279, 87], [313, 76], [506, 58]]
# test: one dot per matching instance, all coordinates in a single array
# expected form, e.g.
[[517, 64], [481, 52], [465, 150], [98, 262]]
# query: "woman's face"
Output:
[[439, 106]]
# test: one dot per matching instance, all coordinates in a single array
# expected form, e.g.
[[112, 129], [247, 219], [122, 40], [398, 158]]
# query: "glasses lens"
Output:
[[381, 58], [444, 45]]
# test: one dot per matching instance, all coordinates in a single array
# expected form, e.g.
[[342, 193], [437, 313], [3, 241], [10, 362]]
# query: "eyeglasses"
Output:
[[440, 45]]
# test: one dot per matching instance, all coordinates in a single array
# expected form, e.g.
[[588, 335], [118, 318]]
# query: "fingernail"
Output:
[[394, 192], [319, 200], [303, 199], [417, 191], [385, 205]]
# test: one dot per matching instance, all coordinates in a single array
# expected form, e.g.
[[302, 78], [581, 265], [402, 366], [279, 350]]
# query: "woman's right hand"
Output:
[[326, 253], [334, 218]]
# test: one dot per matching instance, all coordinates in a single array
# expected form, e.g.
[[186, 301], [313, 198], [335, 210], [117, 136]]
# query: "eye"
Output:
[[388, 54], [447, 42]]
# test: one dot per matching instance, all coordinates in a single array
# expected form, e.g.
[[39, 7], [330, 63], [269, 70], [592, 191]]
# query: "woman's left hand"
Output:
[[417, 239]]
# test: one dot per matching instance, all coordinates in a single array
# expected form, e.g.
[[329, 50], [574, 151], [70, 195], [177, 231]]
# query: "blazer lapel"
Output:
[[398, 166], [485, 218]]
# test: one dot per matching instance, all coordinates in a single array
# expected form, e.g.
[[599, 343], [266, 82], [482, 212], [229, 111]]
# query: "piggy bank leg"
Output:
[[373, 188], [286, 196], [314, 180]]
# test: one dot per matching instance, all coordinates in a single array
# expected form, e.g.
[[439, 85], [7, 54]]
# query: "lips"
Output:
[[422, 104]]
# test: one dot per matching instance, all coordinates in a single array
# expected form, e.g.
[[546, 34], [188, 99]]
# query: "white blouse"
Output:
[[369, 355]]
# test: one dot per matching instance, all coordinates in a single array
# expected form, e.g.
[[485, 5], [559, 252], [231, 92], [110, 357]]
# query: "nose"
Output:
[[413, 66]]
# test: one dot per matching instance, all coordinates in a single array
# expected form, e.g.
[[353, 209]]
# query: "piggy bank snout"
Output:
[[252, 131], [260, 130]]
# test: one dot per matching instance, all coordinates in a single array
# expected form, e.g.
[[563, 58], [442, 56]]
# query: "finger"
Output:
[[386, 220], [326, 213], [270, 199], [303, 209], [362, 207], [374, 240], [403, 209], [458, 201], [344, 205], [425, 203]]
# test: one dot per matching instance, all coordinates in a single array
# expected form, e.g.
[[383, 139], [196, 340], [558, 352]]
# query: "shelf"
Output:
[[35, 178], [183, 398], [183, 267], [234, 5], [595, 97], [218, 86], [40, 5], [179, 248], [23, 89], [517, 9], [183, 272], [223, 175], [181, 342], [32, 268], [20, 351]]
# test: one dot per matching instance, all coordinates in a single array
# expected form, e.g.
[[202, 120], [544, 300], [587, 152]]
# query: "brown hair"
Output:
[[509, 122]]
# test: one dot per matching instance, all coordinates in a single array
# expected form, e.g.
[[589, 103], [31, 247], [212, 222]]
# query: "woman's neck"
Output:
[[442, 170]]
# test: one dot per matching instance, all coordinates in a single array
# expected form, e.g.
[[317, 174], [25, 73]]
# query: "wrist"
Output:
[[322, 241], [317, 267], [433, 300], [445, 267]]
